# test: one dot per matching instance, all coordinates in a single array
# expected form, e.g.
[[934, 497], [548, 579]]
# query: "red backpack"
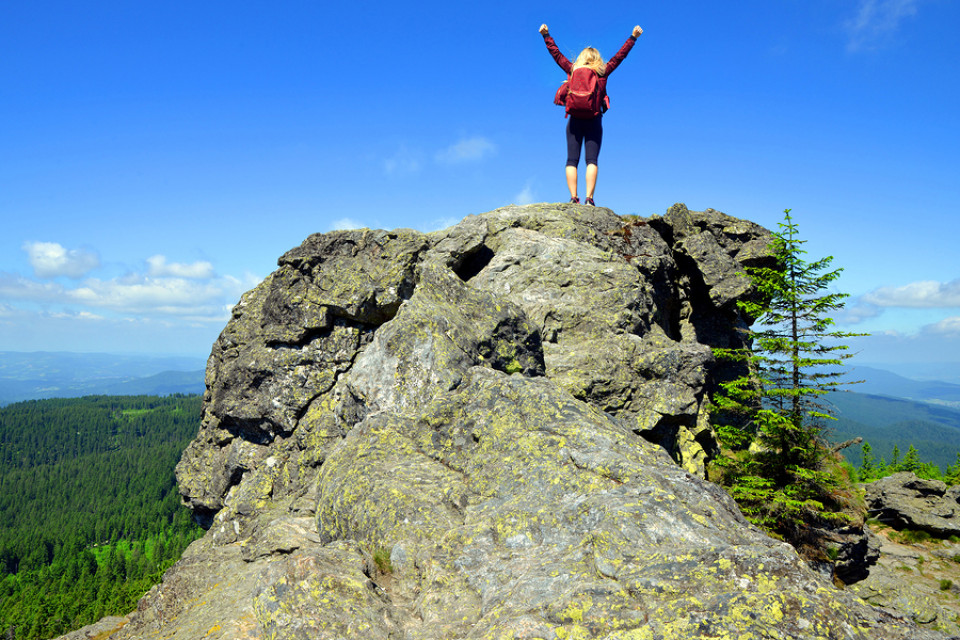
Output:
[[581, 94]]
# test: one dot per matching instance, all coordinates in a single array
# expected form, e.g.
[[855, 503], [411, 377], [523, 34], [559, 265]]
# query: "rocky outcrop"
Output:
[[620, 313], [904, 501], [916, 580], [493, 431]]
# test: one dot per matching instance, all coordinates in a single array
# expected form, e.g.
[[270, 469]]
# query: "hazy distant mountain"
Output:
[[29, 376], [942, 371], [160, 384], [886, 383]]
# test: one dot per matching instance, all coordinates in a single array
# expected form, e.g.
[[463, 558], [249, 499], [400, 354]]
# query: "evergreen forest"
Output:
[[90, 517]]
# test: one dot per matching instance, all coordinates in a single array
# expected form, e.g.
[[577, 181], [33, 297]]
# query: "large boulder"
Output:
[[904, 501], [493, 431]]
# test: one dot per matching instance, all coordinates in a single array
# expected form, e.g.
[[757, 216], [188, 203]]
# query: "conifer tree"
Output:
[[868, 464], [771, 419], [952, 474], [911, 461]]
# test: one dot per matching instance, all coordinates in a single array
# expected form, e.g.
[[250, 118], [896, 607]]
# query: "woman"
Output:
[[587, 132]]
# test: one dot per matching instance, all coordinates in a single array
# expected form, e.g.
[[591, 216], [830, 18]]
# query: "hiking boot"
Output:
[[589, 201], [574, 200]]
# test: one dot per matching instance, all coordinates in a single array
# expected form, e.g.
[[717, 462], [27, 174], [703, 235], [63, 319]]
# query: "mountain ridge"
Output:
[[887, 383], [45, 374]]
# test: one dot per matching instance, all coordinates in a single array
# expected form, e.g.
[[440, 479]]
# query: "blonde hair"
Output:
[[590, 57]]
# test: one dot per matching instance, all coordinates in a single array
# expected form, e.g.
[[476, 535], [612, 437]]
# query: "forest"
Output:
[[90, 517]]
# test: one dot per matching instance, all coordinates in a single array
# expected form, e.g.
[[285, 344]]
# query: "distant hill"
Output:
[[161, 384], [885, 422], [942, 371], [885, 383], [38, 375]]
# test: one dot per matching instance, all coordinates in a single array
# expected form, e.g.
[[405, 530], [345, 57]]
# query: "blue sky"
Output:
[[157, 157]]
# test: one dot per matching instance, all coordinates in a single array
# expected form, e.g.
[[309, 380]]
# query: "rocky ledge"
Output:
[[493, 431]]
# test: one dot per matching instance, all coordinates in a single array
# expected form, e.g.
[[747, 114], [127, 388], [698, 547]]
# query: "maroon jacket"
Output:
[[614, 62]]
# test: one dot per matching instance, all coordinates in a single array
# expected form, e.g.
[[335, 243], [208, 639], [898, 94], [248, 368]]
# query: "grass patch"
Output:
[[911, 536], [381, 557]]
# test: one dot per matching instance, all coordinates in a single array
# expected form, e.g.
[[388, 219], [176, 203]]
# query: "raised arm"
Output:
[[554, 50], [624, 50]]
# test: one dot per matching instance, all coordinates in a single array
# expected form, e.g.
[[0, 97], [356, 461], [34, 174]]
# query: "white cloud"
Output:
[[52, 260], [148, 295], [126, 313], [346, 224], [439, 223], [467, 150], [526, 195], [16, 287], [924, 294], [82, 315], [947, 327], [132, 294], [403, 162], [876, 21], [160, 268]]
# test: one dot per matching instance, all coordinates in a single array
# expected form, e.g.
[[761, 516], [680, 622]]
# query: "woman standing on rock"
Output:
[[585, 97]]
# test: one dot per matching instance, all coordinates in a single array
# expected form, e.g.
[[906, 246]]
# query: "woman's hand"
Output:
[[544, 31], [636, 31]]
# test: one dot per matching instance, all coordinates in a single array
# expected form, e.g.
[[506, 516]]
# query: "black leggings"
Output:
[[589, 134]]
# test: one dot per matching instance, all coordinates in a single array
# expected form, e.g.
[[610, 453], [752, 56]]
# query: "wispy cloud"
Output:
[[140, 294], [165, 288], [52, 260], [345, 224], [160, 268], [82, 315], [856, 312], [15, 287], [949, 327], [439, 223], [152, 296], [876, 21], [467, 150], [402, 163], [927, 294], [526, 195]]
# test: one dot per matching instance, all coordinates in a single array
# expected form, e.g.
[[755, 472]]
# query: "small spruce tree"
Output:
[[771, 420], [868, 463], [952, 474], [911, 461]]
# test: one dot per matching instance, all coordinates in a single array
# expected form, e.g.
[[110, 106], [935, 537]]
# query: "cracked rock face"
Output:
[[493, 431]]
